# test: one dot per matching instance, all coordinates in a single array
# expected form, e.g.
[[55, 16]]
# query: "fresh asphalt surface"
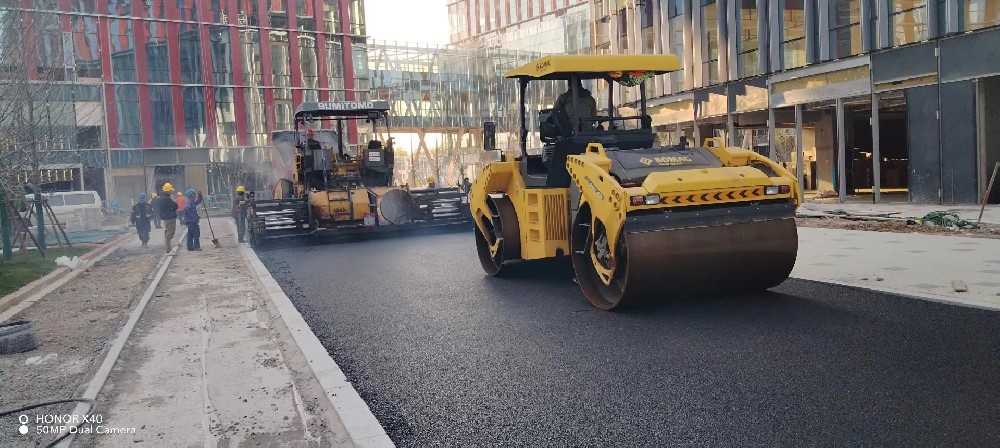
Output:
[[445, 355]]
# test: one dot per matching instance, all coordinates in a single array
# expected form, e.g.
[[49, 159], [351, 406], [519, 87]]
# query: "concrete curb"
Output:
[[939, 298], [361, 425], [27, 295], [103, 372]]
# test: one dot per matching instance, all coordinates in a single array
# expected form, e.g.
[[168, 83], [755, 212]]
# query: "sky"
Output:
[[420, 21]]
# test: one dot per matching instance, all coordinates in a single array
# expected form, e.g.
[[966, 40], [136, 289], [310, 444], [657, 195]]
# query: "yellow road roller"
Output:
[[637, 220]]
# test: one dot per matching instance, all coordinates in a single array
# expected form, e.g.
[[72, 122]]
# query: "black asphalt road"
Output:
[[445, 355]]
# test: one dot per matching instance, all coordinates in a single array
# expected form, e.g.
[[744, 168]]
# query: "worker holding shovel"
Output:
[[191, 219]]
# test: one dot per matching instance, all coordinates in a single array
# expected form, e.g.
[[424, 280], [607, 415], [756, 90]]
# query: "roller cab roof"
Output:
[[594, 66], [342, 109]]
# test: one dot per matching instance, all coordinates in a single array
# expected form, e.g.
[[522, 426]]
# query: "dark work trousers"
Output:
[[193, 236]]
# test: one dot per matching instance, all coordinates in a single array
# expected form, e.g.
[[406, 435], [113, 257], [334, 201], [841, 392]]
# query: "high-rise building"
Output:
[[183, 91], [543, 26], [874, 99]]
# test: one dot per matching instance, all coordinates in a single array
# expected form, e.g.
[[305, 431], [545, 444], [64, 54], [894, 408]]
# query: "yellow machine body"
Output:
[[542, 212], [636, 219]]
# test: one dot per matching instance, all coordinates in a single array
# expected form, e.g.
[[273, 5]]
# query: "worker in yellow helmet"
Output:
[[431, 182], [167, 209], [240, 211]]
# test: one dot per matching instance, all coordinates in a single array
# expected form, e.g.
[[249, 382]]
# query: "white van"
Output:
[[77, 210]]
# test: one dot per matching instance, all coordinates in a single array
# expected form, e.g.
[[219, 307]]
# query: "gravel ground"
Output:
[[447, 356], [75, 326], [986, 231]]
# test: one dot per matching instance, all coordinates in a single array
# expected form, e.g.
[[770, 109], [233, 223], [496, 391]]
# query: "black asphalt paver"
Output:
[[447, 356]]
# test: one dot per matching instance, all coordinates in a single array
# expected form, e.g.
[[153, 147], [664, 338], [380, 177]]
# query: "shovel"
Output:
[[215, 240]]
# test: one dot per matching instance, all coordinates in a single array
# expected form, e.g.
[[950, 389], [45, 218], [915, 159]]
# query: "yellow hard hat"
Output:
[[240, 189], [430, 179], [167, 187]]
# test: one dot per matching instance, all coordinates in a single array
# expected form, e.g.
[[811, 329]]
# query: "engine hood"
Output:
[[633, 165]]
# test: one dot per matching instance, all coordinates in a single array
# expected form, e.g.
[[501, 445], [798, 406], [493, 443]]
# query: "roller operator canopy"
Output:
[[342, 109], [595, 66]]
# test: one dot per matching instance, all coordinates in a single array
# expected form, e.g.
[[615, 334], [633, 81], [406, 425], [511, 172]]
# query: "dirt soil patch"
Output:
[[74, 326], [897, 226]]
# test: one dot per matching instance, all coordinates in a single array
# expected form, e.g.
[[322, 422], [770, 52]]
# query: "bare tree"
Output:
[[37, 111]]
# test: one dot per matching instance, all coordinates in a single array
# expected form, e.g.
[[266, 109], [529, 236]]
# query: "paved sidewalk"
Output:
[[968, 212], [907, 263], [210, 364]]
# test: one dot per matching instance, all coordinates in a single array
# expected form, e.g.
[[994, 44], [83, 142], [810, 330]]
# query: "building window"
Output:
[[188, 10], [248, 13], [308, 63], [256, 116], [222, 58], [536, 8], [648, 27], [225, 117], [84, 6], [189, 45], [623, 25], [675, 24], [154, 9], [50, 60], [523, 8], [161, 102], [194, 116], [86, 47], [793, 39], [908, 21], [334, 59], [283, 115], [749, 43], [360, 59], [122, 50], [710, 28], [978, 14], [602, 30], [157, 56], [129, 124], [331, 16], [277, 16], [357, 16], [281, 65], [219, 10], [120, 7], [845, 32], [305, 16], [252, 71]]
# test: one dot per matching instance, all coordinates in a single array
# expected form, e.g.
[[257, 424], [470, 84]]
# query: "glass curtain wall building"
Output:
[[440, 98], [847, 93], [189, 91]]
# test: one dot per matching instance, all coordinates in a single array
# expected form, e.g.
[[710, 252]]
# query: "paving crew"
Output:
[[191, 219], [156, 215], [167, 209], [240, 211], [142, 212]]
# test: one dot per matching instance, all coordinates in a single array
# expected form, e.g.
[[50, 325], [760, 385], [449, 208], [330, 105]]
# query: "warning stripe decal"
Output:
[[737, 194]]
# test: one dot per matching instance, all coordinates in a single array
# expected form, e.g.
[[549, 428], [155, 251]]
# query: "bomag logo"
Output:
[[543, 65], [666, 160], [593, 187]]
